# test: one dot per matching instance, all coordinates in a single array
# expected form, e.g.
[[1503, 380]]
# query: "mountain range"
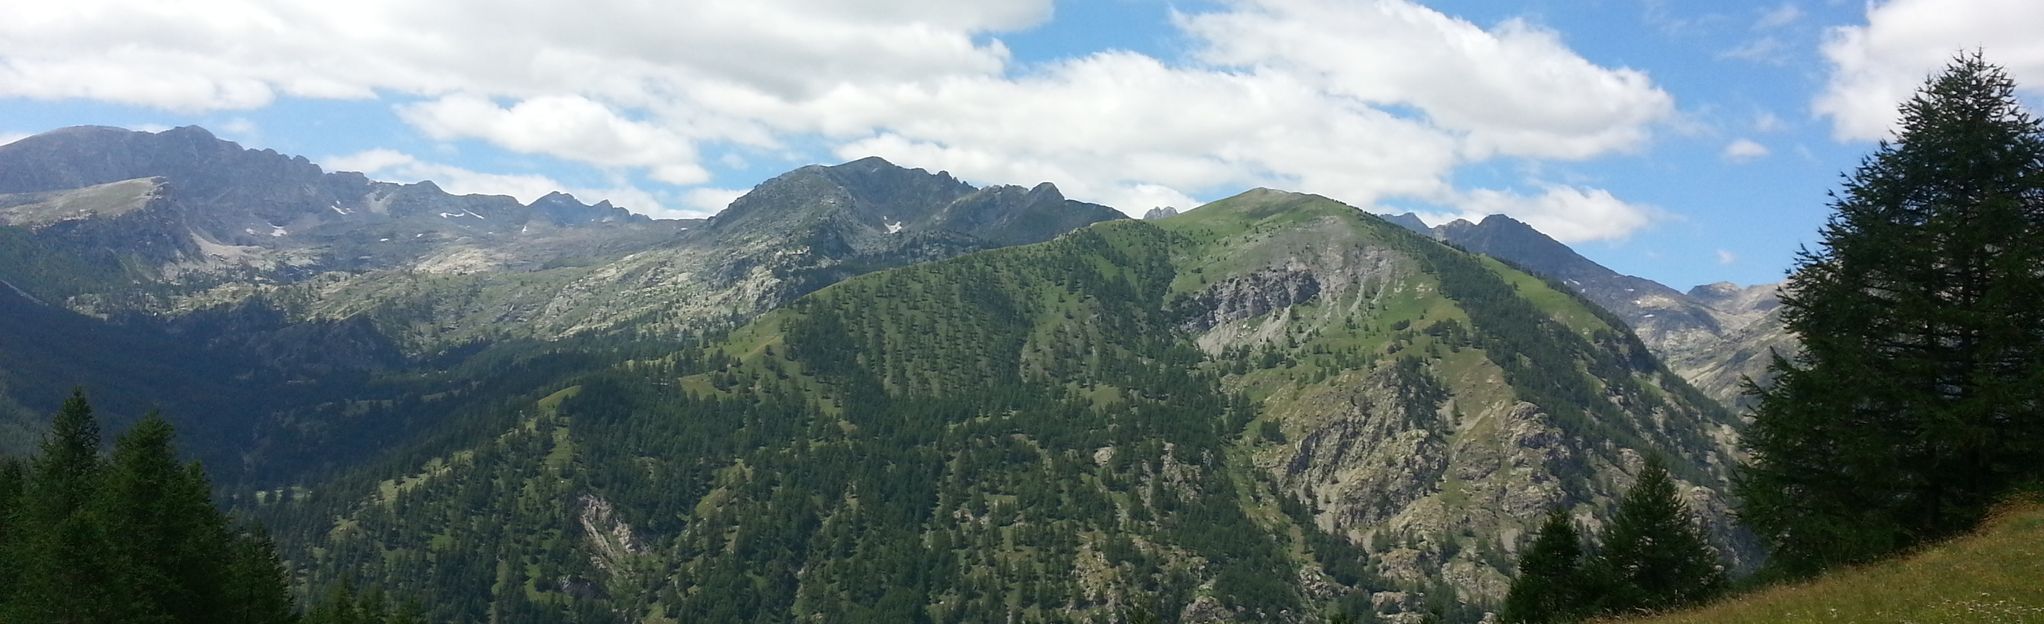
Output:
[[861, 392], [1714, 335]]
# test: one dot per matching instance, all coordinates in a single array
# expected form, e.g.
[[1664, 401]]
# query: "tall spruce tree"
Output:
[[64, 556], [13, 481], [258, 589], [133, 540], [1551, 586], [174, 546], [1916, 401], [1652, 554]]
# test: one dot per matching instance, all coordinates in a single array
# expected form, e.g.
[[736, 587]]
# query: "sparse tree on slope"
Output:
[[1917, 400], [1550, 586], [1653, 556]]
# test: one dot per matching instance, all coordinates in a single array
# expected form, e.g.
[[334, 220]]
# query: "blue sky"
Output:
[[1686, 142]]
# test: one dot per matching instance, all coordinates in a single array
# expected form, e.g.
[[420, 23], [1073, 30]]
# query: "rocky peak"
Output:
[[1409, 221], [1715, 291], [563, 209], [1160, 212]]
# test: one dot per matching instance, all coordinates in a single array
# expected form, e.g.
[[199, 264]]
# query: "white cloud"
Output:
[[392, 165], [571, 127], [706, 201], [1514, 89], [1778, 17], [240, 129], [1362, 101], [1119, 128], [1570, 214], [1743, 151], [1768, 50], [1767, 122], [1726, 257], [1876, 66]]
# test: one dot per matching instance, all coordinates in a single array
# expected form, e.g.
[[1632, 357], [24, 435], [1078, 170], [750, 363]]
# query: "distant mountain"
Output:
[[1160, 212], [181, 212], [1715, 336], [267, 270], [1269, 406], [862, 391]]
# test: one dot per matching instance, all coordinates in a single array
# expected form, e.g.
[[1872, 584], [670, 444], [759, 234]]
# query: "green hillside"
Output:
[[1988, 577], [1271, 406]]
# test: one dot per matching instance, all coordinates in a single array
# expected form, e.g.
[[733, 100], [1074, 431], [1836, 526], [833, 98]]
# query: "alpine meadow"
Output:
[[1286, 311]]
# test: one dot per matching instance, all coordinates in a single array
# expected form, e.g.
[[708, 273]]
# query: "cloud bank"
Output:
[[1362, 101]]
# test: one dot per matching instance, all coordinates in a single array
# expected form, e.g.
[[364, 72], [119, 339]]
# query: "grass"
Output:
[[1995, 575]]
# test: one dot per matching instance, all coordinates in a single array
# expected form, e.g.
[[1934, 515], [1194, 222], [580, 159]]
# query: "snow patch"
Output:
[[339, 210], [893, 227], [277, 231], [464, 213]]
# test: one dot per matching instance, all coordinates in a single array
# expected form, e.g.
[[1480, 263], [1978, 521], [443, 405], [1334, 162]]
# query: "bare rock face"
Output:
[[1420, 449], [1253, 295], [609, 539]]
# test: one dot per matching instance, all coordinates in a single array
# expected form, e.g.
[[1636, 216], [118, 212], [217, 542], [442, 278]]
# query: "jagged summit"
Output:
[[1409, 221]]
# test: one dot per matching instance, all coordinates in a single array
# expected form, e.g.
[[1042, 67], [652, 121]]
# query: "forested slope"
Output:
[[1271, 408]]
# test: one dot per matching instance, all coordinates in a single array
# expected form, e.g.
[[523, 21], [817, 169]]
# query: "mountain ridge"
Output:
[[1715, 335]]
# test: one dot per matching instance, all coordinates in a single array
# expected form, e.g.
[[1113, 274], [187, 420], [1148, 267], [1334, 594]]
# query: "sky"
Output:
[[1686, 142]]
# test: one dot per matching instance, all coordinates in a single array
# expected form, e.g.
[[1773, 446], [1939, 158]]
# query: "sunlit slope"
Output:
[[1993, 576], [1271, 404]]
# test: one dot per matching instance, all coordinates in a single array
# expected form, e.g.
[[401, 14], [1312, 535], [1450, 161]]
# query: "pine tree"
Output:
[[1653, 556], [1916, 400], [133, 540], [65, 557], [174, 549], [12, 481], [1550, 586], [258, 589]]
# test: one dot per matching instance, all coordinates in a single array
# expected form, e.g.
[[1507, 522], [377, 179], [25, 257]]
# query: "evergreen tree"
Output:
[[64, 556], [174, 546], [1916, 400], [134, 540], [1652, 555], [12, 482], [258, 589], [1551, 583]]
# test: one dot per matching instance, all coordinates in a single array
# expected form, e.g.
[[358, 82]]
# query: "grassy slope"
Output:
[[1995, 575]]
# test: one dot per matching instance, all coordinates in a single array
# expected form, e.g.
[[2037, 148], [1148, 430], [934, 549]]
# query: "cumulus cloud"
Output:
[[1516, 89], [1569, 214], [571, 127], [706, 201], [395, 166], [1726, 257], [1878, 65], [1744, 151], [1362, 101]]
